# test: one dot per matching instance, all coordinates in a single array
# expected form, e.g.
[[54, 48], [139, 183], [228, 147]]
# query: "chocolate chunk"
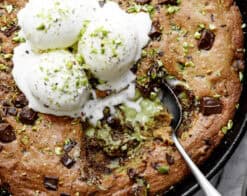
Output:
[[9, 111], [161, 53], [69, 145], [64, 194], [103, 94], [238, 65], [132, 173], [210, 105], [8, 32], [28, 116], [155, 33], [102, 3], [12, 111], [67, 161], [5, 189], [207, 40], [51, 183], [142, 1], [20, 101], [166, 2], [6, 103], [1, 149], [7, 133], [114, 123], [208, 142], [170, 160]]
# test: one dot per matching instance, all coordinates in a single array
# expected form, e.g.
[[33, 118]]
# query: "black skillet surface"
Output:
[[229, 144]]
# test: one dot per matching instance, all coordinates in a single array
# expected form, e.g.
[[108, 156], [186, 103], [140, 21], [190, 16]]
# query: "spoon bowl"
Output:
[[172, 103]]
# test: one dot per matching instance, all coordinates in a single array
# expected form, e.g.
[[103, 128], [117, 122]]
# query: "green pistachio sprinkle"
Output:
[[172, 9], [163, 169], [41, 27], [197, 35], [228, 127], [58, 150], [9, 8], [69, 65], [3, 67], [212, 27], [241, 76], [18, 39]]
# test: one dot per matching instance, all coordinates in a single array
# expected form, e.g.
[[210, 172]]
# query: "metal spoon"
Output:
[[172, 103]]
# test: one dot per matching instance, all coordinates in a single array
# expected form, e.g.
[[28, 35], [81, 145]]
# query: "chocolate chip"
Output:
[[5, 189], [166, 2], [155, 33], [170, 160], [208, 142], [210, 105], [7, 133], [9, 111], [69, 145], [67, 161], [103, 94], [6, 103], [207, 40], [132, 173], [51, 183], [113, 122], [64, 194], [102, 3], [161, 53], [20, 101], [142, 1], [8, 32], [28, 116], [1, 149], [238, 65]]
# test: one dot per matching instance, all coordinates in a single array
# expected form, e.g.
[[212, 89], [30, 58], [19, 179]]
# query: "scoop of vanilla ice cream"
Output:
[[112, 43], [53, 82], [54, 24]]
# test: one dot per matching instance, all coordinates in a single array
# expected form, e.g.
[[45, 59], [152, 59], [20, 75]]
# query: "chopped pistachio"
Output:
[[230, 124], [18, 39], [69, 65], [144, 53], [189, 64], [7, 56], [181, 66], [228, 127], [217, 96], [212, 27], [163, 169], [58, 150], [241, 76], [153, 95], [201, 26], [160, 63], [41, 27], [134, 8], [9, 8], [197, 35], [172, 9], [3, 67], [25, 140]]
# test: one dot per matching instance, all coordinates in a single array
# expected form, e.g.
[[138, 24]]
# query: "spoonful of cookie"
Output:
[[170, 100]]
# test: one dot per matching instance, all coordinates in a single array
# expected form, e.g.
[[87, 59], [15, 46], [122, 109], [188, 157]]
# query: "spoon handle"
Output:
[[206, 186]]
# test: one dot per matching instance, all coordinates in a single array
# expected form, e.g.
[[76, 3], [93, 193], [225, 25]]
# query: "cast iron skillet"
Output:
[[230, 142]]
